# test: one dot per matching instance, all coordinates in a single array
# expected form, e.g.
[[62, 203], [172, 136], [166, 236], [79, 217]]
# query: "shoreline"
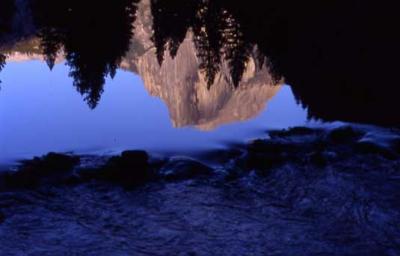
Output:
[[315, 146], [299, 191]]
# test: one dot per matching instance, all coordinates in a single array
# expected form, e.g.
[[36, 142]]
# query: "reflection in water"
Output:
[[181, 81], [7, 10], [6, 13], [217, 36], [186, 89], [93, 45], [337, 67], [127, 118], [2, 61], [207, 48], [138, 121]]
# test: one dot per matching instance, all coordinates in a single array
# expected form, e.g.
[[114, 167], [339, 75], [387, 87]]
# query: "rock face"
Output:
[[183, 87]]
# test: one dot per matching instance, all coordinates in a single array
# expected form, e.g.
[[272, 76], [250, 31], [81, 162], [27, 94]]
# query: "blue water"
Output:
[[40, 111]]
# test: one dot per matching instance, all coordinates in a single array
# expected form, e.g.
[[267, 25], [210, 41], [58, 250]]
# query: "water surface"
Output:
[[41, 112]]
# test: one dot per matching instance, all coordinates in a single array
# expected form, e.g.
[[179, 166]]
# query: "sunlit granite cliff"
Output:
[[183, 87]]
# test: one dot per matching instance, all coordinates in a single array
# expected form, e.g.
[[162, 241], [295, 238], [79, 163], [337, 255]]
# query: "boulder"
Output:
[[35, 171], [51, 163], [370, 147], [184, 168], [137, 159], [265, 154], [130, 168], [344, 134]]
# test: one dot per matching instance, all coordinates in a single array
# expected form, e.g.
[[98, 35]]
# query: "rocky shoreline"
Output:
[[302, 191], [298, 147]]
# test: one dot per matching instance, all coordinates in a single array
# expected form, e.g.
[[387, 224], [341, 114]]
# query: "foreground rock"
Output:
[[298, 147], [184, 168], [318, 148], [345, 134], [129, 169], [2, 217], [51, 168], [302, 192]]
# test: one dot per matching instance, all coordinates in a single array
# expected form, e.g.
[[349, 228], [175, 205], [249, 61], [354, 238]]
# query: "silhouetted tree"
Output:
[[7, 10], [2, 62], [208, 39], [217, 35], [51, 44], [171, 21], [95, 35]]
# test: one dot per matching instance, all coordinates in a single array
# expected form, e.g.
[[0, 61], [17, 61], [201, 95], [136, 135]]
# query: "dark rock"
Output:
[[318, 158], [72, 180], [183, 168], [344, 134], [87, 174], [158, 162], [369, 147], [51, 163], [130, 160], [263, 154], [131, 168], [223, 155], [33, 172], [2, 217], [3, 178], [267, 146], [135, 157], [395, 145], [296, 131], [264, 161], [233, 173]]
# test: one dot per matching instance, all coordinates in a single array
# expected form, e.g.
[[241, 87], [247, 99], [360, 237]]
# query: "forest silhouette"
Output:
[[95, 36]]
